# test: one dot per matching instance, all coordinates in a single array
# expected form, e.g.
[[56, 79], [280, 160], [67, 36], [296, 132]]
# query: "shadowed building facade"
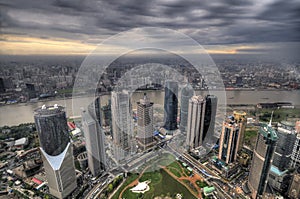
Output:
[[262, 160], [284, 147], [56, 150], [94, 138], [171, 105], [210, 116]]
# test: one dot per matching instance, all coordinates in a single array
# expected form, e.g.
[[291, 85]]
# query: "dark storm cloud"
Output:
[[209, 22]]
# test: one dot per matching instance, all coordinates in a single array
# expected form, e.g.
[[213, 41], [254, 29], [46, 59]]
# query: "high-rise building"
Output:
[[145, 122], [195, 124], [229, 140], [122, 124], [106, 114], [295, 157], [2, 88], [186, 93], [240, 117], [31, 92], [94, 139], [56, 150], [294, 189], [262, 160], [171, 105], [284, 147], [210, 116]]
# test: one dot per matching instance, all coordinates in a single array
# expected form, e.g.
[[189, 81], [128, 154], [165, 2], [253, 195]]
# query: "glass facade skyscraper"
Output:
[[186, 93], [171, 105], [56, 150], [262, 160]]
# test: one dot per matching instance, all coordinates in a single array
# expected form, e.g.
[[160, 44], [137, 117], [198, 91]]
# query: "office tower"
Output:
[[186, 93], [122, 124], [295, 157], [94, 139], [171, 105], [240, 117], [195, 123], [31, 93], [239, 81], [145, 122], [2, 88], [210, 116], [285, 143], [229, 140], [262, 160], [97, 111], [56, 150], [294, 189], [106, 114]]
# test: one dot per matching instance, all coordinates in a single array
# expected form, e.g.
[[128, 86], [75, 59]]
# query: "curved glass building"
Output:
[[171, 105], [186, 93]]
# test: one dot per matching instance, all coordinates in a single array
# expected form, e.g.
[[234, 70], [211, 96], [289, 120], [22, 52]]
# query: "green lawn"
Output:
[[250, 136], [279, 114], [129, 179], [161, 184]]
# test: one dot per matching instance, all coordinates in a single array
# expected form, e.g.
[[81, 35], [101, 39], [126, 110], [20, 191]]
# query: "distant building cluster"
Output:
[[32, 82]]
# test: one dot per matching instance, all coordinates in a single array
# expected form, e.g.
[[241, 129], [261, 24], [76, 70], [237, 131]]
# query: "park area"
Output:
[[166, 182]]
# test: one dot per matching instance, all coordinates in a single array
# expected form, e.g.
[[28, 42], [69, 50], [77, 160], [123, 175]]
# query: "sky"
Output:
[[75, 27]]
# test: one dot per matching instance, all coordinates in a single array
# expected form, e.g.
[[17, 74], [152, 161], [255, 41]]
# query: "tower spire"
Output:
[[270, 123]]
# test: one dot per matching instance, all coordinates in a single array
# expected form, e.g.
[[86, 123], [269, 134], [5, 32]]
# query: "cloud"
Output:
[[220, 22]]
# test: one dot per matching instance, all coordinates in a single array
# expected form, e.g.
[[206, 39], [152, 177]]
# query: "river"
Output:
[[15, 114]]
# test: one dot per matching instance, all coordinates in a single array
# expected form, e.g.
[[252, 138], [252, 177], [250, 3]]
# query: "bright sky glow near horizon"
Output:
[[73, 27]]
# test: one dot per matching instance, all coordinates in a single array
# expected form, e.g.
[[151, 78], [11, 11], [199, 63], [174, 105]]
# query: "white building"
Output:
[[122, 124], [195, 122]]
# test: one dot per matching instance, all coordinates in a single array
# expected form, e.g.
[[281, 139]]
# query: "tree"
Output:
[[110, 188]]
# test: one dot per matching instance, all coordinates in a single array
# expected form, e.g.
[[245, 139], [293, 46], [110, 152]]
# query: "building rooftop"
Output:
[[49, 110], [268, 132], [197, 99], [277, 171], [56, 161]]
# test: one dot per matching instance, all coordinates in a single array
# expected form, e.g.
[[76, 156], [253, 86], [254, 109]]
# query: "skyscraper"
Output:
[[229, 140], [262, 160], [295, 157], [145, 122], [121, 123], [210, 116], [294, 189], [56, 149], [171, 105], [240, 117], [284, 147], [186, 93], [94, 139], [195, 124]]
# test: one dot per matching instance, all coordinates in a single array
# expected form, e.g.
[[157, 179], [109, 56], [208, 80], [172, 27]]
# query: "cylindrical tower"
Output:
[[186, 93], [51, 124]]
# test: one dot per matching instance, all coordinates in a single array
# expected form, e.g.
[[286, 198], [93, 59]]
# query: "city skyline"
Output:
[[163, 99]]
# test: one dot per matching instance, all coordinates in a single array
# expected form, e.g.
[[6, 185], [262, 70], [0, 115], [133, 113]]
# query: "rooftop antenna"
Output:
[[270, 123]]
